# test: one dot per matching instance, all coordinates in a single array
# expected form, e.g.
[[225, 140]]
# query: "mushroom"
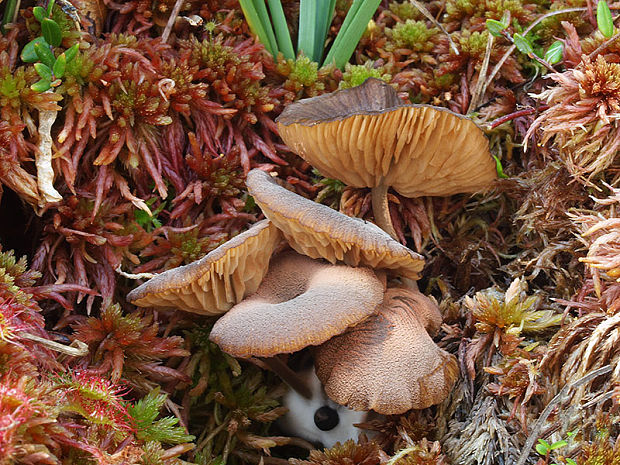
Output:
[[318, 231], [222, 278], [301, 302], [366, 136], [388, 363]]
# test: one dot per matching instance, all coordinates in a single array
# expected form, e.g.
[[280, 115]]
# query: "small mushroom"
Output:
[[387, 363], [318, 231], [222, 278], [366, 136], [301, 302]]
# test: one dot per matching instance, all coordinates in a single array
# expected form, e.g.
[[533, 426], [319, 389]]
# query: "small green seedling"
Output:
[[604, 19], [40, 51], [499, 168]]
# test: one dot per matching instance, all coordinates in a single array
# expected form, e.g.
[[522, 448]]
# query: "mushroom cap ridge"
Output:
[[213, 284], [301, 302], [366, 136], [318, 231], [387, 363]]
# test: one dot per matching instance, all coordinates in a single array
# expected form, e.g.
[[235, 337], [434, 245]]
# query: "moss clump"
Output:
[[413, 35], [355, 75]]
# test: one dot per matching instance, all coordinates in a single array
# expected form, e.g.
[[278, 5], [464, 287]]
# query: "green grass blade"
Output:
[[256, 25], [325, 13], [307, 28], [283, 36], [345, 25], [348, 38], [261, 9]]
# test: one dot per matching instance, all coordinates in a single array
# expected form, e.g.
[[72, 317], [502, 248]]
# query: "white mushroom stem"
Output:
[[43, 158], [381, 209], [287, 375]]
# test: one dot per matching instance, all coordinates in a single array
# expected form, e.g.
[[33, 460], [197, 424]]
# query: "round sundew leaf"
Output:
[[366, 136], [318, 231], [222, 278]]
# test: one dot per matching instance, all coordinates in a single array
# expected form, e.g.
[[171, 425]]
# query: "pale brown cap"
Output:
[[318, 231], [388, 363], [366, 136], [222, 278], [301, 302]]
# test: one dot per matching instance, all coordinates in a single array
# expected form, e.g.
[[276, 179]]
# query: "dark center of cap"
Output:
[[326, 418]]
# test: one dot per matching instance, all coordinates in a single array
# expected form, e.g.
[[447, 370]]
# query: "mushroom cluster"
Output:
[[331, 286]]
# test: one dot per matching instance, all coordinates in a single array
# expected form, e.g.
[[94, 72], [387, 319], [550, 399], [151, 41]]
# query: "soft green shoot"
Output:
[[499, 168], [604, 20]]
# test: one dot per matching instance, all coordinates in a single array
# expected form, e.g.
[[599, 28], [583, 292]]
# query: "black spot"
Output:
[[326, 418]]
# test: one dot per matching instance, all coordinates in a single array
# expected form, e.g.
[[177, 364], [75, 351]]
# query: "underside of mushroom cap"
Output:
[[366, 136], [318, 231], [301, 302], [222, 278], [388, 363]]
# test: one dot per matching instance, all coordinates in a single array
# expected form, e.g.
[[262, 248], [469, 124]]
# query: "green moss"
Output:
[[355, 75], [405, 10], [304, 71], [413, 35], [473, 43]]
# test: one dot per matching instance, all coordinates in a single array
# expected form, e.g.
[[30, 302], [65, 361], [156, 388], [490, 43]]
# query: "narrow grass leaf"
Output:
[[342, 49], [283, 36], [307, 28], [251, 16], [261, 9], [325, 14]]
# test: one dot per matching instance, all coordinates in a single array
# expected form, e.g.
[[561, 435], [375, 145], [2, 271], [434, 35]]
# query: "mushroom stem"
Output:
[[287, 375], [381, 209]]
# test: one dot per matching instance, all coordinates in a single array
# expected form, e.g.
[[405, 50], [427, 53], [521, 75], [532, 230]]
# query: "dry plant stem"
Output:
[[255, 458], [604, 45], [134, 275], [430, 17], [527, 447], [480, 84], [287, 375], [381, 209], [80, 351], [45, 172], [501, 62], [171, 20]]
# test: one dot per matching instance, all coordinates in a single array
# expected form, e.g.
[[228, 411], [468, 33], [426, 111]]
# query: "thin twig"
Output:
[[527, 447], [432, 19], [480, 84], [171, 20], [80, 351], [501, 62], [604, 45], [134, 275]]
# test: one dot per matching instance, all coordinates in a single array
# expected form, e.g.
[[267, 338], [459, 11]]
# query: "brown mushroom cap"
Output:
[[366, 136], [301, 302], [388, 363], [222, 278], [318, 231]]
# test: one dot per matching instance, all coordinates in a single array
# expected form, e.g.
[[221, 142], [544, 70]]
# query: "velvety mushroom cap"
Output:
[[301, 302], [388, 363], [217, 281], [366, 136], [318, 231]]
